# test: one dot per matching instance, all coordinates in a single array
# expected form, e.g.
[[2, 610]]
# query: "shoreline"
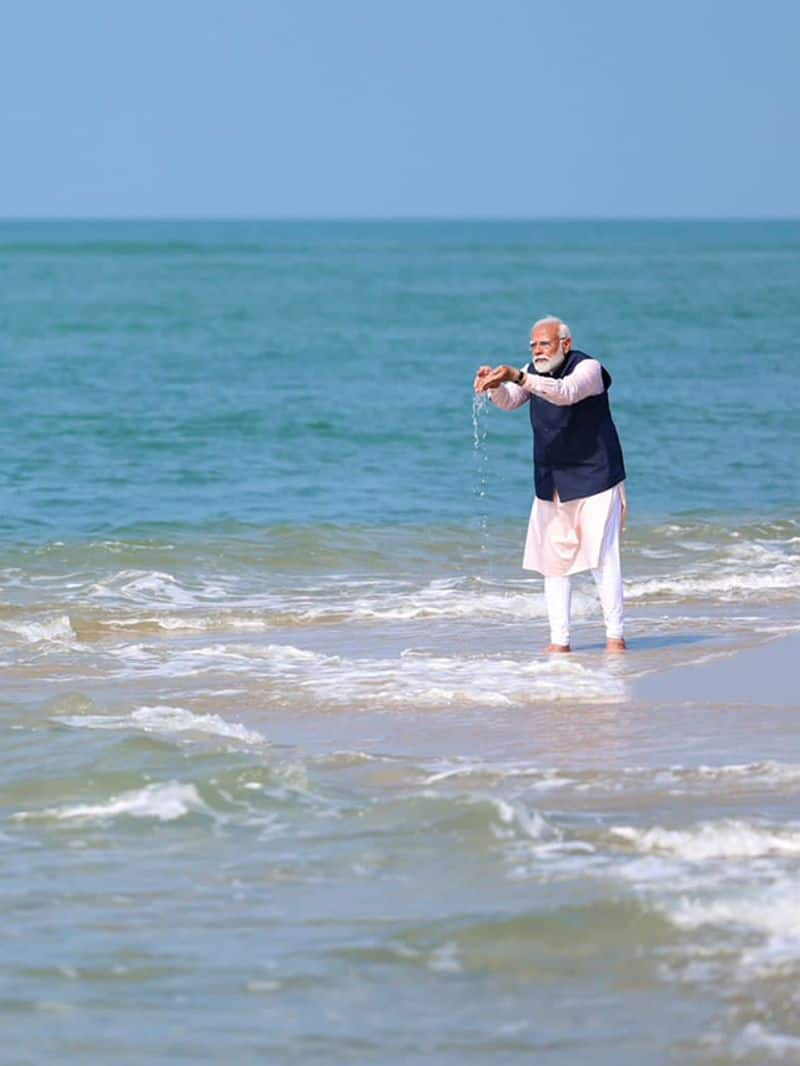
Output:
[[756, 676]]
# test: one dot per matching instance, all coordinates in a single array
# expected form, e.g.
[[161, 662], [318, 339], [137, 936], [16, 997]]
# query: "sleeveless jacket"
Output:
[[576, 450]]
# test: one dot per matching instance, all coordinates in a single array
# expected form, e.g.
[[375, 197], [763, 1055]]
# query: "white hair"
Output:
[[551, 320]]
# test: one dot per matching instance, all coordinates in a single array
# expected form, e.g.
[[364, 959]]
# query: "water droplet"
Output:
[[479, 430]]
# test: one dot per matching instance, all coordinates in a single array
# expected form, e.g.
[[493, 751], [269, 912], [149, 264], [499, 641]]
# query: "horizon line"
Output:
[[4, 219]]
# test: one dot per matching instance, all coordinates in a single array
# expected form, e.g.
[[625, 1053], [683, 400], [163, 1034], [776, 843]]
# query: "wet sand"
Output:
[[766, 676]]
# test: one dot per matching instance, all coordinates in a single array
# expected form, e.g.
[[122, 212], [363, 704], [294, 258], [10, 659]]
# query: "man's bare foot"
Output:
[[615, 644], [552, 649]]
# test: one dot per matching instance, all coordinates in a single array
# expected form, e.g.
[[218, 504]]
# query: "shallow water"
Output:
[[285, 775]]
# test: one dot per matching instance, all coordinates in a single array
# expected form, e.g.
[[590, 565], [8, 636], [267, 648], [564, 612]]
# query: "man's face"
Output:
[[548, 350]]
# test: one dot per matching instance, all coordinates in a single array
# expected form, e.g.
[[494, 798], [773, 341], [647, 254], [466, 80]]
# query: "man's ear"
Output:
[[567, 344]]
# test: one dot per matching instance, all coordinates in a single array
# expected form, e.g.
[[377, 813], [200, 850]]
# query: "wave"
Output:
[[228, 582], [332, 601], [712, 840], [413, 679], [54, 630], [530, 944], [200, 594], [471, 818], [155, 587], [166, 721], [161, 802], [756, 1038], [773, 912], [677, 780], [725, 588], [250, 798], [726, 568]]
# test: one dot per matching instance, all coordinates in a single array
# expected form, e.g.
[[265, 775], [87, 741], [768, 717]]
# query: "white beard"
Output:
[[548, 364]]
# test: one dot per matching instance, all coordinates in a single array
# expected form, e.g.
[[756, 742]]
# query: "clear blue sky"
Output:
[[400, 108]]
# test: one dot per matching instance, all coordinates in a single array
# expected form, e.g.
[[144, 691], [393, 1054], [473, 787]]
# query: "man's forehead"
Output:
[[546, 329]]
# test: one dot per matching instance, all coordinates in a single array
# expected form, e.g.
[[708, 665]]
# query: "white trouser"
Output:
[[608, 578]]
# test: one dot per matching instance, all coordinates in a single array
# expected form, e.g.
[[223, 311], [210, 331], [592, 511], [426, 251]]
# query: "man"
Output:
[[580, 506]]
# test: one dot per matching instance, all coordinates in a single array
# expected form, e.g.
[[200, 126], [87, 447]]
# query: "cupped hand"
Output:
[[494, 378], [482, 372]]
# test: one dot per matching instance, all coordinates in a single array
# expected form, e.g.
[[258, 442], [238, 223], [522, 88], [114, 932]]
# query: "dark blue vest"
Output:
[[576, 449]]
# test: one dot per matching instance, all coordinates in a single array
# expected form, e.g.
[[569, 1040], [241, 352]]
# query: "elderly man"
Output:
[[579, 508]]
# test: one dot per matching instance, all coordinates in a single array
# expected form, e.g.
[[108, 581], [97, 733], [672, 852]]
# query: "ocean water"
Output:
[[285, 776]]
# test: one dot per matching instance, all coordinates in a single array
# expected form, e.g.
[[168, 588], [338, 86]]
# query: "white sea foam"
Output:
[[56, 630], [702, 564], [748, 569], [769, 773], [773, 912], [444, 959], [756, 1038], [446, 601], [517, 816], [140, 659], [421, 680], [540, 779], [756, 925], [712, 840], [154, 587], [164, 802], [167, 720], [412, 679], [683, 780], [679, 780], [717, 586], [375, 599], [188, 622]]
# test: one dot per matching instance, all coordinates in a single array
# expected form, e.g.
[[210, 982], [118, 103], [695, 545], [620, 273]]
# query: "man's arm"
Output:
[[508, 396], [584, 381]]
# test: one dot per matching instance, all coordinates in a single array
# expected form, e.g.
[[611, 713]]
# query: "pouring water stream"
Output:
[[481, 458]]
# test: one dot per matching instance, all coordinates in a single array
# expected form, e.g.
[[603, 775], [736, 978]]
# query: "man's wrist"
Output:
[[520, 377]]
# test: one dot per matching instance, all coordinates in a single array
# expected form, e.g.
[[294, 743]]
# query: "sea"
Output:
[[285, 776]]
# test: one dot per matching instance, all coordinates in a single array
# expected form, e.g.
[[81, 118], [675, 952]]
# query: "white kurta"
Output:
[[565, 538]]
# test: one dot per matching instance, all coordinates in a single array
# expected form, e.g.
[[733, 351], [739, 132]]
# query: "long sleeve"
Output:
[[584, 381], [509, 396]]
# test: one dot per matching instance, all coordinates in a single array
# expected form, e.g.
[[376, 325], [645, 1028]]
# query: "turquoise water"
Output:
[[284, 776], [267, 373]]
